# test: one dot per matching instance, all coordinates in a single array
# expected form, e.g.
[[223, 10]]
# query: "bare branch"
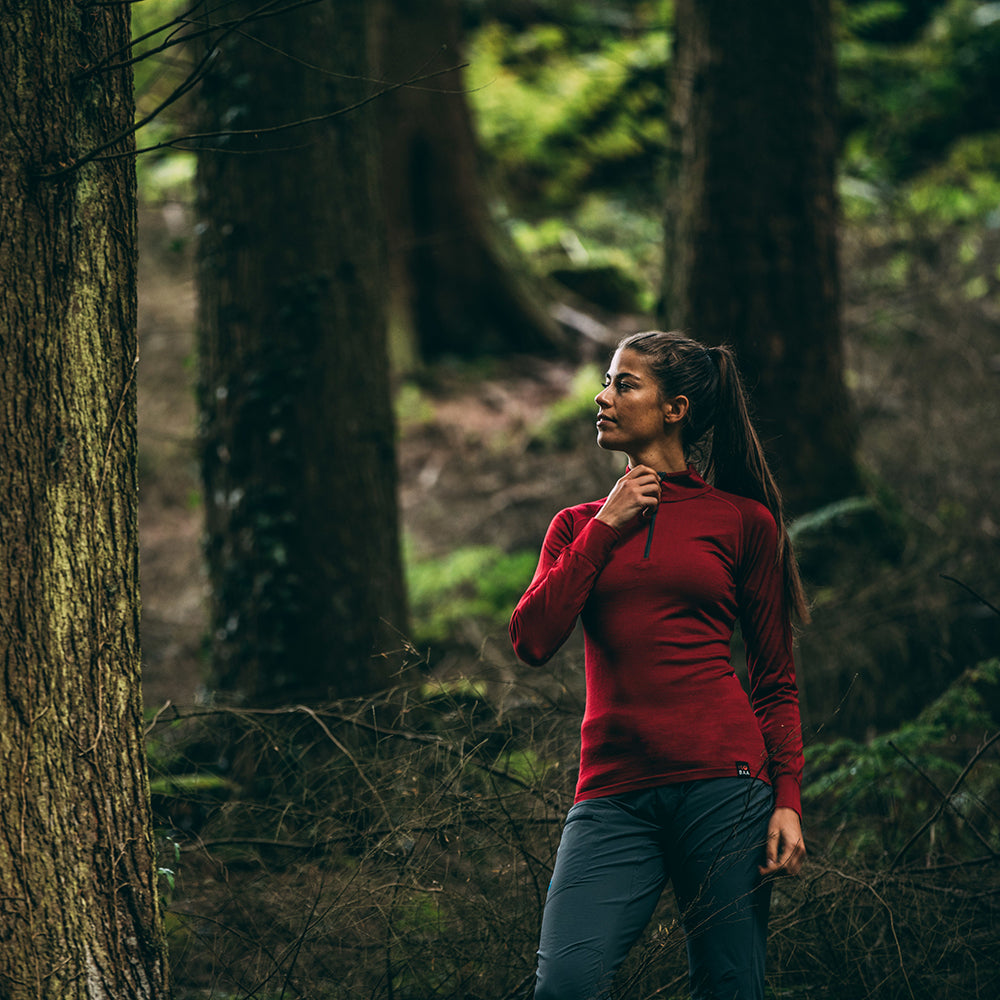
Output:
[[178, 23], [968, 589], [196, 137], [954, 788], [947, 800]]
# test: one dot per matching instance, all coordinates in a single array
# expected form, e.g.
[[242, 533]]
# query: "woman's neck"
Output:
[[661, 459]]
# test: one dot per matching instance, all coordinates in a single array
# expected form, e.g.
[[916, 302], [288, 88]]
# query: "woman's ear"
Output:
[[675, 409]]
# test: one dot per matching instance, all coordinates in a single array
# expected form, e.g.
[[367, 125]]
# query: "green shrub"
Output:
[[560, 426], [475, 583], [881, 791]]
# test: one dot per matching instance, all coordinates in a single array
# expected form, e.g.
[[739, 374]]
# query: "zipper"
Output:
[[652, 521], [649, 531]]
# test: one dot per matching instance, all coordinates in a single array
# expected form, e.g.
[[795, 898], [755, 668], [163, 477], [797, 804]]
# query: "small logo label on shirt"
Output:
[[742, 769]]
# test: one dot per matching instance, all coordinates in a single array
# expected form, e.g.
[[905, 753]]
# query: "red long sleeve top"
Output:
[[658, 600]]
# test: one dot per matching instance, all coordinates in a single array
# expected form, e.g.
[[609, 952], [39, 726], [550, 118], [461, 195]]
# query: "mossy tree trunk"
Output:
[[751, 230], [78, 905], [458, 285], [298, 446]]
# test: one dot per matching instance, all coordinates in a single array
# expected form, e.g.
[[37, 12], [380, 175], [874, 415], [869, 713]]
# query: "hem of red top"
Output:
[[785, 789]]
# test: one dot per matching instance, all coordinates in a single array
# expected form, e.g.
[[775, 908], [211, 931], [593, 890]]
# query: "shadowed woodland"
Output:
[[384, 251]]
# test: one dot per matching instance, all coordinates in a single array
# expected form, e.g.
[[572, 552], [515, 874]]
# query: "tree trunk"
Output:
[[457, 285], [78, 905], [751, 225], [298, 446]]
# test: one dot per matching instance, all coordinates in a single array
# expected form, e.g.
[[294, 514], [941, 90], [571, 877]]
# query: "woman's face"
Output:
[[632, 411]]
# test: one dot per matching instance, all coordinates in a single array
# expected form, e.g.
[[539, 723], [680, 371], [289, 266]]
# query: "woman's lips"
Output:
[[602, 420]]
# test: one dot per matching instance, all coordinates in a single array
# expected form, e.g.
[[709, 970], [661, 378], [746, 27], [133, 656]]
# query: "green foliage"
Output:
[[189, 784], [525, 765], [864, 19], [411, 407], [566, 417], [571, 114], [571, 109], [476, 583], [167, 173], [449, 692], [817, 520], [880, 791], [603, 232], [169, 875], [963, 188], [905, 104], [558, 119]]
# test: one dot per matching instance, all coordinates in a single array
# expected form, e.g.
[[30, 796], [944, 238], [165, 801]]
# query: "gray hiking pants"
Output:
[[615, 857]]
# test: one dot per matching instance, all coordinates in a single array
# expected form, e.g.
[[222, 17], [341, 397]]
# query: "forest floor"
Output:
[[924, 367]]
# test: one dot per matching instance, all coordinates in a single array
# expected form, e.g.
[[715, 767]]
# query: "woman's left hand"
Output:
[[786, 849]]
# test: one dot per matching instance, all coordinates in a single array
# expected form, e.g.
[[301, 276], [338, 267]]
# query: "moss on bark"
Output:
[[78, 910]]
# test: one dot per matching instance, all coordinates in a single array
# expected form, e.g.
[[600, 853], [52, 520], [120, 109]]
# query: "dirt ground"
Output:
[[924, 366], [172, 580]]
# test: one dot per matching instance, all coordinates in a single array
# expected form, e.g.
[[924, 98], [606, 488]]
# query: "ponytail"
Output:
[[737, 464], [719, 419]]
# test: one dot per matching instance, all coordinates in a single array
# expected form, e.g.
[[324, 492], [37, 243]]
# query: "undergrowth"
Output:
[[400, 847], [469, 586]]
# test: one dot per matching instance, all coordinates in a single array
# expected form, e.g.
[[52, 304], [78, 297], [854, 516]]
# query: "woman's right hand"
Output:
[[637, 491]]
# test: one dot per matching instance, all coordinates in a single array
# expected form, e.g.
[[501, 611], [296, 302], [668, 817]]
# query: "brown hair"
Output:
[[719, 431]]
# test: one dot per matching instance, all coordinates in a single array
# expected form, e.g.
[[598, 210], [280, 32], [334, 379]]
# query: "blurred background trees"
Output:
[[297, 442], [751, 235], [455, 283]]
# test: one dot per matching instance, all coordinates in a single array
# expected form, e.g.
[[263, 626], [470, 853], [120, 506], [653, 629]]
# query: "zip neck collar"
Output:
[[684, 485], [674, 487]]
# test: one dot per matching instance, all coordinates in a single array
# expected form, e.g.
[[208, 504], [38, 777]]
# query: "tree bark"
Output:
[[78, 904], [458, 287], [751, 225], [298, 445]]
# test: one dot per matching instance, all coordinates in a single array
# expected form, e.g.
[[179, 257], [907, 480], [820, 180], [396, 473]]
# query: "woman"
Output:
[[682, 776]]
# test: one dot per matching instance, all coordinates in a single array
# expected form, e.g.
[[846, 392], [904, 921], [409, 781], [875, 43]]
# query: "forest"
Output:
[[305, 305]]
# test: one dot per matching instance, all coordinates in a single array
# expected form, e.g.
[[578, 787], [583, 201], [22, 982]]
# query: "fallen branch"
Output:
[[945, 802]]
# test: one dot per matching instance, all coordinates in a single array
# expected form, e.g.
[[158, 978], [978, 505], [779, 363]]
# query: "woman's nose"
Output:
[[601, 398]]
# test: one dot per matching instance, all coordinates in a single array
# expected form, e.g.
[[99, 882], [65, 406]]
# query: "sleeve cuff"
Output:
[[787, 793]]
